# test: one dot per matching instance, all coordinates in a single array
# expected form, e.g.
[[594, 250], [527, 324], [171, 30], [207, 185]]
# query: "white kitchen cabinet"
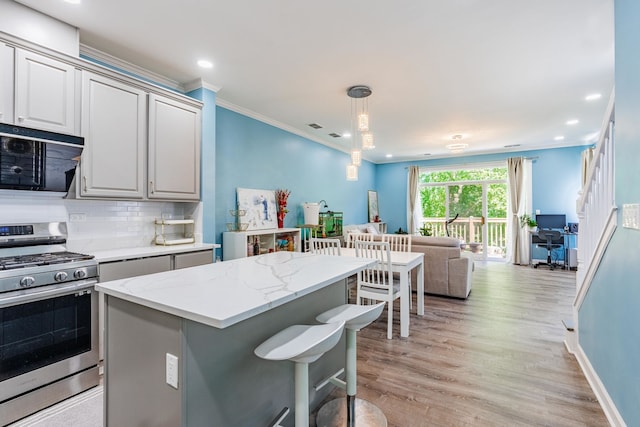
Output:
[[45, 93], [235, 244], [174, 149], [192, 259], [6, 83], [114, 128]]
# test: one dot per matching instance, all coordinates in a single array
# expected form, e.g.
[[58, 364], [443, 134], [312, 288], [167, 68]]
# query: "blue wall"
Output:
[[253, 154], [556, 182], [609, 317]]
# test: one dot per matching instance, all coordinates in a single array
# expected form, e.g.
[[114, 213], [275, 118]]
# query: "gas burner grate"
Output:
[[23, 261]]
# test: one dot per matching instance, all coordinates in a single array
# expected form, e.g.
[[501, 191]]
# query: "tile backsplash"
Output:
[[95, 225]]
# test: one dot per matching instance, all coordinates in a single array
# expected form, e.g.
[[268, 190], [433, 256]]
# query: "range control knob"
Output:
[[27, 281], [80, 274], [60, 276]]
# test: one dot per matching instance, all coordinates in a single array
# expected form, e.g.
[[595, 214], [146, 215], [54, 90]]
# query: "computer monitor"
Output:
[[551, 221]]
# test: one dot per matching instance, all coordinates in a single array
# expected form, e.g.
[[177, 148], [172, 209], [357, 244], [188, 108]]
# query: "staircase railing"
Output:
[[596, 207]]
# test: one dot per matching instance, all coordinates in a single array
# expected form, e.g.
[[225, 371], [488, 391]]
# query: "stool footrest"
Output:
[[281, 416], [333, 379]]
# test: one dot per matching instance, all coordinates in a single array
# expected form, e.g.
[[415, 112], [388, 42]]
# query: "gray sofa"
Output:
[[447, 271]]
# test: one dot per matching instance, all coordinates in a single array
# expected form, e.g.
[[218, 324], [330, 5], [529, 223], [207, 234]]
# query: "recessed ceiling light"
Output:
[[73, 1], [205, 64], [346, 135], [573, 122], [558, 138], [388, 156], [593, 97]]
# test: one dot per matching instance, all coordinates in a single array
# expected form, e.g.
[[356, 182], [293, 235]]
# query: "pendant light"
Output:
[[352, 172]]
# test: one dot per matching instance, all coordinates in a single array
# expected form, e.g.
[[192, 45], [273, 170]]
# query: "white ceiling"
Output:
[[498, 72]]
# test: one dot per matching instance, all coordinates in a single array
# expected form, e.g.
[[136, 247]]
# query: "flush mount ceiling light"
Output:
[[203, 63], [558, 138], [593, 97], [360, 128], [573, 122], [72, 1]]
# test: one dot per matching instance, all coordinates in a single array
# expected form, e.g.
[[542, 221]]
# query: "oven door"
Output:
[[46, 334]]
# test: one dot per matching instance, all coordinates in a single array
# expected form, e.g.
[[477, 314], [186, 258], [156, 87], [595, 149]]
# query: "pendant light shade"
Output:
[[352, 172], [356, 157], [362, 138], [367, 141]]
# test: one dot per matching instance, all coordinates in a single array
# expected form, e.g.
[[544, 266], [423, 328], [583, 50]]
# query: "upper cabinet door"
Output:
[[6, 83], [45, 93], [114, 128], [174, 149]]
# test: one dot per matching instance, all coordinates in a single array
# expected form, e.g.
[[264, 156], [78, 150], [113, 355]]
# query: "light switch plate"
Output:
[[631, 216], [172, 370]]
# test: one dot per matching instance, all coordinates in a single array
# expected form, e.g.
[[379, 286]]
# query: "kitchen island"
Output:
[[203, 323]]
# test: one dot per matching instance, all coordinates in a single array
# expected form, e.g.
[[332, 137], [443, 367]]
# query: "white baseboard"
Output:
[[609, 408]]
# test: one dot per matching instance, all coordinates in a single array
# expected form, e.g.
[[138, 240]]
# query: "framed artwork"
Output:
[[260, 207], [373, 205]]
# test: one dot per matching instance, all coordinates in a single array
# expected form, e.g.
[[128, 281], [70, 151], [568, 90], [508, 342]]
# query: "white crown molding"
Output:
[[257, 116], [129, 67], [199, 83]]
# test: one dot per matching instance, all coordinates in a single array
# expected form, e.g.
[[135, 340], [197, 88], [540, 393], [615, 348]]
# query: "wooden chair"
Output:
[[377, 283], [324, 246], [398, 242]]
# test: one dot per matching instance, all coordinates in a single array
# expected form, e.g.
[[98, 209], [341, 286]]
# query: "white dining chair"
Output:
[[377, 283], [324, 246], [398, 242], [363, 237]]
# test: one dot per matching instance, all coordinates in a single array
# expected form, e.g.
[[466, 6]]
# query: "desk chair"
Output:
[[549, 236]]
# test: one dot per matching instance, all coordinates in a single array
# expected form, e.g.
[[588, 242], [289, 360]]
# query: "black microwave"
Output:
[[37, 160]]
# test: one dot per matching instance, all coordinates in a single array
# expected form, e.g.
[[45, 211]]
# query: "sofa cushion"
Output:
[[435, 241]]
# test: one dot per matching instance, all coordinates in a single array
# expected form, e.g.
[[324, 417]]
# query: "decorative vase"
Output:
[[280, 220]]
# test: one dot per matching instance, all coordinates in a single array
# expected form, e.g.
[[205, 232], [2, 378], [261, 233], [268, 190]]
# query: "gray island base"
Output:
[[220, 382]]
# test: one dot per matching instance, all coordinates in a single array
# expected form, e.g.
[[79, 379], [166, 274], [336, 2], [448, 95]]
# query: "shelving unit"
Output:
[[235, 244], [171, 234]]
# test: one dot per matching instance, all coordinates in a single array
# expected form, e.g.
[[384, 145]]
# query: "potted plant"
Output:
[[425, 230], [527, 220]]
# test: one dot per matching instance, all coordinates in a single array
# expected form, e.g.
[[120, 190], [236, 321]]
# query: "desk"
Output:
[[403, 263], [566, 246]]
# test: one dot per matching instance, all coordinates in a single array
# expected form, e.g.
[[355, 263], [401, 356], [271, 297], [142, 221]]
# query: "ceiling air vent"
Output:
[[315, 125], [335, 135]]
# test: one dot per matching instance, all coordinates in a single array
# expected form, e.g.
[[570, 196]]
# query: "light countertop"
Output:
[[148, 251], [224, 293]]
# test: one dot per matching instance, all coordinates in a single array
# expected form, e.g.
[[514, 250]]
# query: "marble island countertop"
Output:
[[222, 294], [148, 251]]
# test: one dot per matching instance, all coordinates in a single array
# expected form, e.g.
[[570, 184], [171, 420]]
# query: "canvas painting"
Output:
[[260, 207]]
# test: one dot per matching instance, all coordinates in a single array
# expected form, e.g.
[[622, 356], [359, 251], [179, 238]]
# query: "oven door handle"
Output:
[[26, 296]]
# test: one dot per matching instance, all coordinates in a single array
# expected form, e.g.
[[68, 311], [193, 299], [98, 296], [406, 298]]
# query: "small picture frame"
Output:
[[372, 197], [260, 207]]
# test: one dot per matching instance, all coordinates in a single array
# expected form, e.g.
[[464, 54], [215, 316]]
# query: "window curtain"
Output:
[[519, 172], [413, 214]]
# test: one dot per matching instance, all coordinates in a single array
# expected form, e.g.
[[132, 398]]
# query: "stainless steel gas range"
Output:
[[48, 319]]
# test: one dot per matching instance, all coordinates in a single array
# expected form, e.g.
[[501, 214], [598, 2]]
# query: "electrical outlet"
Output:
[[172, 370], [537, 211], [631, 216]]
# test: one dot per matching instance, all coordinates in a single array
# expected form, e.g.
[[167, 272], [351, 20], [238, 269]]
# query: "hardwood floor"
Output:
[[495, 359]]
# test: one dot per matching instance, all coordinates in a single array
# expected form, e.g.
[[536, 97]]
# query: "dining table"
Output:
[[402, 263]]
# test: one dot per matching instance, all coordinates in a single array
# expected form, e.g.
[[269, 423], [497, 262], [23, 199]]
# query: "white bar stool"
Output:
[[356, 412], [302, 344]]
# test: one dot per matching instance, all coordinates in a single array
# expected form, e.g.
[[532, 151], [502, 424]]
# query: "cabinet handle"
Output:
[[84, 181], [151, 185], [21, 118]]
